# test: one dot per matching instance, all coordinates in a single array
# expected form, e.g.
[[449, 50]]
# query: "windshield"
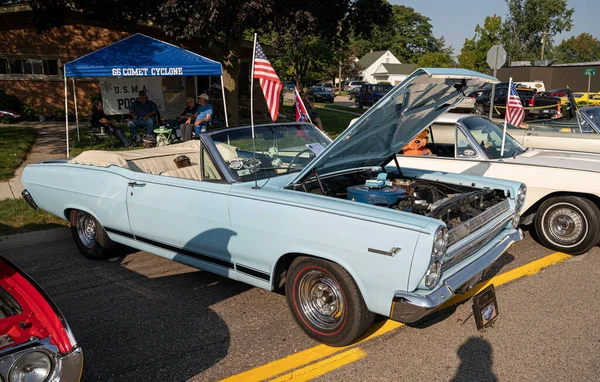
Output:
[[592, 114], [382, 88], [489, 138], [279, 149]]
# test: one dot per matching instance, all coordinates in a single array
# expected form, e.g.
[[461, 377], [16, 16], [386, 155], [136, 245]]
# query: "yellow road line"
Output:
[[322, 367], [309, 355], [315, 353]]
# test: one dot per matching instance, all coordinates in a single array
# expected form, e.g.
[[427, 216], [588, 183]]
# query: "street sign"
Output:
[[589, 72], [496, 57]]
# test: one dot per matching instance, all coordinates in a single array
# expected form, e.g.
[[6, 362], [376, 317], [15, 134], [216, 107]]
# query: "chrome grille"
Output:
[[465, 229], [469, 249]]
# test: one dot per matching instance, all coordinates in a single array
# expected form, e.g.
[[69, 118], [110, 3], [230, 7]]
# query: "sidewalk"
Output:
[[50, 144]]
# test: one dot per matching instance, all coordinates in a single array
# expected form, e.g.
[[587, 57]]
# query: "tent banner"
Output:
[[119, 93]]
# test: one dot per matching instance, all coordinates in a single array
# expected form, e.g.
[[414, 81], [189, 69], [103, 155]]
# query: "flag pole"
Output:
[[505, 116], [252, 111], [252, 89]]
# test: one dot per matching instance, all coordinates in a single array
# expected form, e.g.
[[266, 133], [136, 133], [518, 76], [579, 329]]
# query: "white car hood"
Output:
[[559, 159]]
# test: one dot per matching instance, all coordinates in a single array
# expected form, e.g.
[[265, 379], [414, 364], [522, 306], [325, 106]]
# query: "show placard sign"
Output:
[[119, 93]]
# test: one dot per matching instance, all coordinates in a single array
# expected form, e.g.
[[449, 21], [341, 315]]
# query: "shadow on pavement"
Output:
[[138, 317], [476, 361]]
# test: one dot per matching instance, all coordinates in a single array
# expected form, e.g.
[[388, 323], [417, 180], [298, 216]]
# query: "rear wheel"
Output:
[[568, 224], [89, 236], [326, 302]]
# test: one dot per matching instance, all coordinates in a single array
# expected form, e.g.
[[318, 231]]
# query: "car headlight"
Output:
[[440, 242], [520, 200], [32, 367], [433, 274]]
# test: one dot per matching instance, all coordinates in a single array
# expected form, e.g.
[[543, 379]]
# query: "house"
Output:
[[370, 62], [31, 64], [393, 73]]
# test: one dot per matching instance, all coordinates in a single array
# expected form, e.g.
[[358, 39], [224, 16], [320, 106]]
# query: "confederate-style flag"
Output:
[[301, 112], [269, 81]]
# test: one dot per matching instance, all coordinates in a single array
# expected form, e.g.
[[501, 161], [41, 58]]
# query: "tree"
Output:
[[221, 26], [531, 25], [474, 51], [436, 60], [314, 45], [408, 35], [581, 48]]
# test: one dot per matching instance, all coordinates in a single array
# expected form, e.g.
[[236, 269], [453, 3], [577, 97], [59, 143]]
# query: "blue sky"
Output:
[[456, 19]]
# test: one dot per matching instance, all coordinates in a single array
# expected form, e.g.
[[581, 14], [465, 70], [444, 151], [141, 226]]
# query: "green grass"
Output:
[[15, 143], [345, 108], [110, 143], [333, 122], [17, 217]]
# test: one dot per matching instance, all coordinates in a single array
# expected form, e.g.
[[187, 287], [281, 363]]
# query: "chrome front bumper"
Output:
[[409, 308]]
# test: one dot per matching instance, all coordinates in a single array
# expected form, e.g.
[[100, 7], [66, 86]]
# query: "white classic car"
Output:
[[345, 236], [563, 187], [572, 136]]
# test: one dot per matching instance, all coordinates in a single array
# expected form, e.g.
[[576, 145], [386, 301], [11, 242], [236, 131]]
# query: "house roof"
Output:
[[396, 68], [370, 58]]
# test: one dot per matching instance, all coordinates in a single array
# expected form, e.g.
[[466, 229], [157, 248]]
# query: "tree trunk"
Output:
[[231, 71]]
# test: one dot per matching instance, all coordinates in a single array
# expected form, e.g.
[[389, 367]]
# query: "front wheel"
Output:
[[478, 109], [326, 302], [568, 224], [89, 236]]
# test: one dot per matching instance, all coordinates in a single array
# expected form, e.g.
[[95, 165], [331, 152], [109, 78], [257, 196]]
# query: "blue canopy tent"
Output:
[[139, 56]]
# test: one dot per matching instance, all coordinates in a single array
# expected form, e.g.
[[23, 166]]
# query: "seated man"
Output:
[[141, 112], [99, 119], [184, 123], [203, 113]]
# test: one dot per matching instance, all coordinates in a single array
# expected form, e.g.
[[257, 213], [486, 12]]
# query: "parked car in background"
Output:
[[352, 93], [356, 84], [289, 85], [9, 115], [318, 93], [536, 105], [563, 198], [256, 212], [465, 106], [592, 99], [36, 343], [369, 94]]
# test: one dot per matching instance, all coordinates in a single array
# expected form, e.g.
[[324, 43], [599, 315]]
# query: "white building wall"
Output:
[[386, 58]]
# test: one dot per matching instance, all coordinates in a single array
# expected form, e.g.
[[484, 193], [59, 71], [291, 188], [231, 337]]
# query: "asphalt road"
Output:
[[140, 317]]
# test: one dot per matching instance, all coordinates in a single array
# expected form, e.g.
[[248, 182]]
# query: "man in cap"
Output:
[[141, 112], [203, 113]]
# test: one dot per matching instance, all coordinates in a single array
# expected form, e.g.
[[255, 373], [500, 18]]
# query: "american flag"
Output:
[[514, 108], [269, 81]]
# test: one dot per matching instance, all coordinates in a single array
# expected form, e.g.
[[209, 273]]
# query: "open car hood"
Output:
[[398, 117]]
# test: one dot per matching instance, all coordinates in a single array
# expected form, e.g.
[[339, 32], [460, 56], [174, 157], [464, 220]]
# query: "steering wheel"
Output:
[[311, 155]]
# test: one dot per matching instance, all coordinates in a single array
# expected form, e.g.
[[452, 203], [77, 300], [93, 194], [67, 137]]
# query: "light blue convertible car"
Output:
[[326, 222]]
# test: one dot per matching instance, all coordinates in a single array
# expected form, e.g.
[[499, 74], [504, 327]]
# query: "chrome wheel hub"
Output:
[[86, 230], [567, 225], [321, 300]]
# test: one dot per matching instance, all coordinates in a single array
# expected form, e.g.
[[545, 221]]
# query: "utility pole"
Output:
[[543, 43]]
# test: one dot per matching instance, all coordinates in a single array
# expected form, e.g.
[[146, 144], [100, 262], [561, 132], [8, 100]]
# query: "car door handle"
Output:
[[136, 184]]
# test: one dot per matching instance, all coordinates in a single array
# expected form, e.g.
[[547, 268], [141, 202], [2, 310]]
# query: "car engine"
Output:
[[453, 204]]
